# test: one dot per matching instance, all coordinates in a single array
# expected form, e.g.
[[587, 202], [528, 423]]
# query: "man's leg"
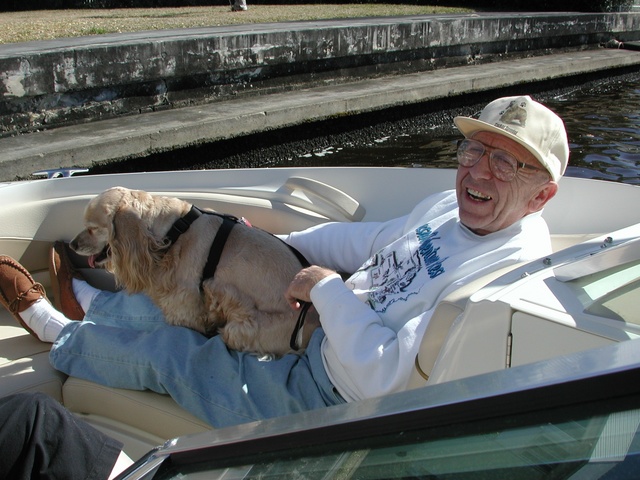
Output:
[[238, 5], [40, 438], [124, 343]]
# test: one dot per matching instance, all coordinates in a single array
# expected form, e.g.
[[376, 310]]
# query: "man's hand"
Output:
[[300, 287]]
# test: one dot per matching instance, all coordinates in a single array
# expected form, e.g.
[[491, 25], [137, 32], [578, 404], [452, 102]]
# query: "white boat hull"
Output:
[[34, 214]]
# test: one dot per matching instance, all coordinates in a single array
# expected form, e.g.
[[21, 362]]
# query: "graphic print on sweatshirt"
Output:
[[399, 270]]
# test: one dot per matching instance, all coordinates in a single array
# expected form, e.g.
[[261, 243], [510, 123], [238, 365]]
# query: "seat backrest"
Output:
[[433, 338], [562, 241], [439, 325], [454, 304]]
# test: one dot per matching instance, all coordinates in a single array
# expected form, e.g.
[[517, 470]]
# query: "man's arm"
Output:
[[343, 246]]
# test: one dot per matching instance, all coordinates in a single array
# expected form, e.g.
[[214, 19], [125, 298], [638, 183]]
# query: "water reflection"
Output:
[[604, 131], [603, 123]]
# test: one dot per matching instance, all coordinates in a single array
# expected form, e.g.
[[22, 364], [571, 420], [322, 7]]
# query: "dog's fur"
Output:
[[244, 301]]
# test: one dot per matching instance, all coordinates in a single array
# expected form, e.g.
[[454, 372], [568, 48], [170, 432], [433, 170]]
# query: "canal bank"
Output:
[[368, 67]]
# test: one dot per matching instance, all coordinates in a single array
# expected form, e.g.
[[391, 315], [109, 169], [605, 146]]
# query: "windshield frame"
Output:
[[600, 377]]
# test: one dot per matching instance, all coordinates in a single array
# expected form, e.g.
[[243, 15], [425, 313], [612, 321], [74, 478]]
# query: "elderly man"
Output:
[[509, 163]]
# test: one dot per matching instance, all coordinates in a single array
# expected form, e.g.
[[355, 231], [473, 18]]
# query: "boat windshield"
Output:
[[613, 293], [572, 443], [607, 283]]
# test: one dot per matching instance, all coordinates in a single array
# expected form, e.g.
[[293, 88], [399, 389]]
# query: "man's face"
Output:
[[487, 204]]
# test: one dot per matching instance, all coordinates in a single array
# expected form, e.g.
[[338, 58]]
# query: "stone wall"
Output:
[[64, 82]]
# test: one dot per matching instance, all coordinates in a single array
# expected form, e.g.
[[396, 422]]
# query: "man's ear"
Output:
[[545, 193]]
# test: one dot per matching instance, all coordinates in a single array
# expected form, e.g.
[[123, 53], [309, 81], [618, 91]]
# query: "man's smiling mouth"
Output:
[[478, 196]]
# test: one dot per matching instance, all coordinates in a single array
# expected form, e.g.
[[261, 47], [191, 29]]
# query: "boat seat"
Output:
[[150, 412], [454, 304], [440, 323], [562, 241], [24, 362], [141, 420]]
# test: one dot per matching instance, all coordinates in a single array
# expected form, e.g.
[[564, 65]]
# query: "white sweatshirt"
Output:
[[375, 320]]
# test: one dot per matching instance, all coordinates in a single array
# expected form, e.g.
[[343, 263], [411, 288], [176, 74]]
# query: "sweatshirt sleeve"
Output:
[[344, 247]]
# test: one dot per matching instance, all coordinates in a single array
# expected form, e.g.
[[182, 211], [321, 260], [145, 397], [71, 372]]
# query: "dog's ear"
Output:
[[111, 200], [134, 250]]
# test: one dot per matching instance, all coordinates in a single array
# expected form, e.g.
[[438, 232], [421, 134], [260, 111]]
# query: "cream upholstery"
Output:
[[562, 241], [24, 362], [440, 323], [156, 414], [141, 420], [453, 305]]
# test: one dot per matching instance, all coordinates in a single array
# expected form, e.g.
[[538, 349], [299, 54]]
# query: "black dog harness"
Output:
[[182, 224], [215, 252]]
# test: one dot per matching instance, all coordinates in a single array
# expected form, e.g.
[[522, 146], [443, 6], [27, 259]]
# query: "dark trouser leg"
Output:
[[39, 438]]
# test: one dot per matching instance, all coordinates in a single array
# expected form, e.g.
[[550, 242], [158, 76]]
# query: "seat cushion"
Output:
[[24, 362], [156, 414]]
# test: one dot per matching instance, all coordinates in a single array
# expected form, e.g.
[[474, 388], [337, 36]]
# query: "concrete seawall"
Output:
[[76, 102]]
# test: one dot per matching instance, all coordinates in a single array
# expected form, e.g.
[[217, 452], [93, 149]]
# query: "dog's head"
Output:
[[124, 232], [99, 217]]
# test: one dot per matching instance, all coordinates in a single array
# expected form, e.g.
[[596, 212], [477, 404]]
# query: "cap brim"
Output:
[[469, 126]]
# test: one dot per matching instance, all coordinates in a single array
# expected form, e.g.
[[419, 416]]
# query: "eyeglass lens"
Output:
[[503, 165]]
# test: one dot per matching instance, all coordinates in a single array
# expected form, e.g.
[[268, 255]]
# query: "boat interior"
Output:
[[473, 330]]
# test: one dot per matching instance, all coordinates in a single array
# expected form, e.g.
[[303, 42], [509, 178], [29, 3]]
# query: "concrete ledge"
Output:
[[62, 82], [77, 102], [133, 136]]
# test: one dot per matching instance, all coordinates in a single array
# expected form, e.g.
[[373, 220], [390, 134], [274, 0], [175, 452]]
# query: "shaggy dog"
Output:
[[129, 233]]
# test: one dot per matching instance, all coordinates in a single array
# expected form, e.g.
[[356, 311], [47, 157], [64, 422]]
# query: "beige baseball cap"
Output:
[[527, 122]]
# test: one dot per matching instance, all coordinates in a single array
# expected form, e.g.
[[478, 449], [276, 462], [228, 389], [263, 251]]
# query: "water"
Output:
[[602, 120], [604, 131]]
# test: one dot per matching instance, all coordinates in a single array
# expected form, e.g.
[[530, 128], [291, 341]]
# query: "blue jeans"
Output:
[[125, 343]]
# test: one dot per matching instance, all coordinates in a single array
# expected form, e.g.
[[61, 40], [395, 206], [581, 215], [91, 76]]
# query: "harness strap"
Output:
[[303, 261], [182, 224], [294, 342], [215, 252]]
